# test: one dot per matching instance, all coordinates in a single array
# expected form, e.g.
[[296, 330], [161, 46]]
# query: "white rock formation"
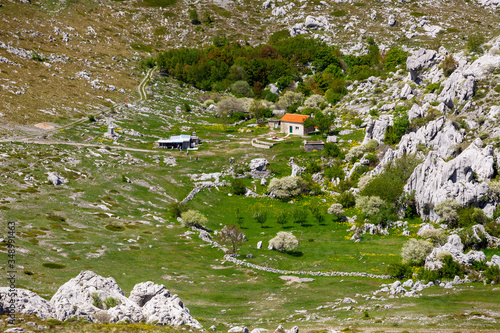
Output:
[[258, 164], [454, 247], [419, 60], [375, 128], [55, 179], [26, 302], [461, 179]]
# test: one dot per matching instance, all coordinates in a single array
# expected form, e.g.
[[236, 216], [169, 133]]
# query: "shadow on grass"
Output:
[[296, 254]]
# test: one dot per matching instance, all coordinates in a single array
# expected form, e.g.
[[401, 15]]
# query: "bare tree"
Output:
[[232, 235]]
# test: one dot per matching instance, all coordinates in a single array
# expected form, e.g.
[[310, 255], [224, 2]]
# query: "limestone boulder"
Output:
[[26, 302], [375, 128], [55, 179], [258, 164], [86, 295], [420, 60]]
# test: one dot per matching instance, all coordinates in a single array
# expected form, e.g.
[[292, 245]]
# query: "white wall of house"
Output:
[[293, 128]]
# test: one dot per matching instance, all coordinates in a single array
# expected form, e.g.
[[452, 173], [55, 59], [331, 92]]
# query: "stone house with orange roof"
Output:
[[294, 124]]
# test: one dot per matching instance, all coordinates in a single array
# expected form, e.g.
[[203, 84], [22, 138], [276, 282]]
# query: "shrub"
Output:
[[492, 274], [450, 268], [336, 210], [358, 151], [395, 57], [260, 216], [494, 190], [186, 107], [228, 106], [472, 242], [92, 118], [193, 17], [428, 275], [193, 218], [314, 101], [449, 65], [299, 215], [399, 271], [283, 82], [432, 87], [369, 206], [448, 211], [289, 98], [468, 216], [269, 96], [287, 187], [284, 242], [282, 218], [332, 149], [177, 208], [96, 301], [232, 235], [335, 172], [111, 302], [238, 187], [318, 212], [346, 199], [438, 236], [415, 251], [242, 88], [474, 43], [312, 167], [395, 132], [389, 184]]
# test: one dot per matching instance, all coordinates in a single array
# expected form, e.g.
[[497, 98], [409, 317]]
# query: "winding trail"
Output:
[[142, 86]]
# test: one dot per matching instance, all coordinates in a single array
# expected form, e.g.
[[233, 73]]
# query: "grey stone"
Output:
[[56, 179], [376, 128], [259, 245], [495, 261], [27, 302], [391, 20], [258, 164], [332, 139], [419, 60]]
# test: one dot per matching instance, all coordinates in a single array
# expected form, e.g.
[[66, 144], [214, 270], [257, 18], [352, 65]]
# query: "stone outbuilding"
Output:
[[183, 141]]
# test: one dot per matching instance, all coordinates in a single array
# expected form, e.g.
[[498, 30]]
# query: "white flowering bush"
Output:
[[415, 251], [284, 241], [314, 101], [336, 210], [287, 187], [369, 205], [193, 218], [448, 210], [289, 98]]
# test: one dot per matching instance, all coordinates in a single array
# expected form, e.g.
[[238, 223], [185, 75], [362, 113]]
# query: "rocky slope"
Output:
[[99, 299]]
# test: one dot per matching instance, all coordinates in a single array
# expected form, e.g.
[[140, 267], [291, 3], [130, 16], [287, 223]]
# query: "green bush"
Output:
[[313, 167], [395, 132], [177, 208], [474, 43], [346, 199], [432, 87], [332, 149], [428, 275], [389, 184], [111, 302], [450, 268], [238, 187], [92, 118], [492, 274], [470, 241], [447, 210], [193, 218], [395, 57], [335, 172], [242, 88], [193, 17], [287, 187], [299, 215], [415, 251], [470, 216], [369, 206], [400, 271]]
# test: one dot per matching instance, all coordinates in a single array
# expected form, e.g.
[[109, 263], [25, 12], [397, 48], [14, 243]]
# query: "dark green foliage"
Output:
[[346, 199], [492, 274], [339, 13], [260, 216], [385, 214], [320, 120], [186, 107], [401, 124], [395, 57], [318, 212], [239, 217], [242, 89], [97, 302], [148, 63], [450, 268], [220, 40], [160, 3], [92, 118], [193, 17], [389, 184], [399, 271], [474, 43], [142, 47], [313, 167], [177, 208], [432, 87], [237, 116], [278, 36], [53, 265], [283, 82], [479, 265], [359, 171], [113, 227], [492, 228], [111, 302], [469, 216], [470, 241], [332, 150], [207, 18], [428, 275], [269, 96], [299, 215], [282, 218], [238, 187], [37, 57], [334, 172]]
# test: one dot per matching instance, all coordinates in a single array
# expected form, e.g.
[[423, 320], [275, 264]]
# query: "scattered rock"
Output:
[[56, 179]]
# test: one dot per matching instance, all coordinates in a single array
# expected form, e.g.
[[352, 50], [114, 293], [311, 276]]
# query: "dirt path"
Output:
[[142, 86]]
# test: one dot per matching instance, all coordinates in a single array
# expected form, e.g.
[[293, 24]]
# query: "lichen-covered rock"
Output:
[[375, 128], [258, 164], [55, 179], [26, 302], [455, 248]]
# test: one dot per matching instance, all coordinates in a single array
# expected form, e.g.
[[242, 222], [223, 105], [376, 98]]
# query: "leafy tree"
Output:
[[395, 57], [394, 133], [299, 215], [177, 208], [332, 150], [239, 217], [242, 88], [232, 235], [287, 187], [400, 271], [346, 199], [336, 210], [260, 216], [415, 251], [238, 187], [318, 212], [282, 218]]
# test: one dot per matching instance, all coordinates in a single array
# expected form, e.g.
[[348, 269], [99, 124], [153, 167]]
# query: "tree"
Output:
[[193, 17], [336, 210], [238, 187], [193, 218], [242, 88], [449, 65], [282, 218], [284, 242], [239, 218], [260, 216], [232, 235], [299, 215], [369, 206], [177, 208], [448, 211], [317, 212]]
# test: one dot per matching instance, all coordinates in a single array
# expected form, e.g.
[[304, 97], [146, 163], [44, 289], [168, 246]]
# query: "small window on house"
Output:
[[297, 127]]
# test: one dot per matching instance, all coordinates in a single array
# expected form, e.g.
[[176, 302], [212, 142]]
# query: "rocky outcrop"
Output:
[[85, 296], [375, 128], [258, 164], [455, 248], [461, 179], [55, 179], [26, 302], [439, 135], [100, 299], [479, 233], [419, 60]]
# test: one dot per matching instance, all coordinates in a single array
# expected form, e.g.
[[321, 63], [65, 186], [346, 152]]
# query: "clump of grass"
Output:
[[159, 3], [339, 13], [53, 265], [112, 227], [141, 47], [55, 217], [417, 14]]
